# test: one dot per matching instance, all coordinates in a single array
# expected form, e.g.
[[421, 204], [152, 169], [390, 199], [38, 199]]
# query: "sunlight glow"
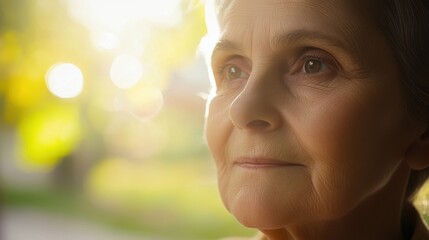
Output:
[[126, 71], [115, 15], [105, 40], [64, 80]]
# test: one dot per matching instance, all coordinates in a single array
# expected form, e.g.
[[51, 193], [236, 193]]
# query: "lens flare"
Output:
[[144, 103], [126, 71], [64, 80]]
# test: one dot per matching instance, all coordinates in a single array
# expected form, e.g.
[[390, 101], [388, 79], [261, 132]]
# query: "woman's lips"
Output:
[[263, 163]]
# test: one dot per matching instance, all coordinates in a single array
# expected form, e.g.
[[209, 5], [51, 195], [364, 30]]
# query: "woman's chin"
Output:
[[260, 214], [260, 220]]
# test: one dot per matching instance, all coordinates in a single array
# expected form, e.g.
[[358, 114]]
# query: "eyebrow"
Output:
[[224, 45], [292, 38], [301, 35]]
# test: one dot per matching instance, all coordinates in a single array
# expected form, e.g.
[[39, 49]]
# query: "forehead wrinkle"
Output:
[[229, 10], [344, 22], [295, 36], [236, 39], [240, 13], [345, 29]]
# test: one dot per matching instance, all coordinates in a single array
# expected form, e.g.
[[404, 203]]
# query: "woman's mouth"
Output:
[[254, 163]]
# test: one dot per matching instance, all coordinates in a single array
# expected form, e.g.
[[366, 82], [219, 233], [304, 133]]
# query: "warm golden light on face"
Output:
[[64, 80]]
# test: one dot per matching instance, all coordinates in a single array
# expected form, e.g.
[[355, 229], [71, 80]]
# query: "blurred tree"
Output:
[[136, 149], [37, 34]]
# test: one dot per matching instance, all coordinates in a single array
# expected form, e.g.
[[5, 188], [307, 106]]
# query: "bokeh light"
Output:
[[64, 80], [136, 140], [126, 71], [144, 102]]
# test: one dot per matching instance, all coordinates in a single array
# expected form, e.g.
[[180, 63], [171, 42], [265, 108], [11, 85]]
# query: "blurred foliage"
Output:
[[126, 152], [48, 134], [422, 202]]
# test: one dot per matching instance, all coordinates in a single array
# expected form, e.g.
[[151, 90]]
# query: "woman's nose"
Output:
[[255, 108]]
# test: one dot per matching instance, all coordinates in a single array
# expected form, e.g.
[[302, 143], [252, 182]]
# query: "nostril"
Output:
[[258, 124], [254, 110]]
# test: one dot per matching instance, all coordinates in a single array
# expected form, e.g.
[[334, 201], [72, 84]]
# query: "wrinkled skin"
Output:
[[308, 127]]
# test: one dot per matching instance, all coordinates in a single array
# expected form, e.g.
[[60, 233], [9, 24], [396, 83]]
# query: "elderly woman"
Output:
[[319, 120]]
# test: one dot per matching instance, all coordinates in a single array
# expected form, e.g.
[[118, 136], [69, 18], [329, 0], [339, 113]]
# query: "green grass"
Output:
[[160, 218]]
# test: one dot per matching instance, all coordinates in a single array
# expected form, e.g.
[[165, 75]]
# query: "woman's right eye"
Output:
[[233, 72]]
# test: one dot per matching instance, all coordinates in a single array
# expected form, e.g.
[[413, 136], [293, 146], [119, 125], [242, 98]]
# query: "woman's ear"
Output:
[[417, 154]]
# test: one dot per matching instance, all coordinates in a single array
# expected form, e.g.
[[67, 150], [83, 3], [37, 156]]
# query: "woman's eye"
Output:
[[316, 66], [232, 72], [313, 66]]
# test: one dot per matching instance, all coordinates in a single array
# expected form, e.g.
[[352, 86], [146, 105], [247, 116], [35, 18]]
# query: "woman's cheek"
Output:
[[218, 127], [341, 136]]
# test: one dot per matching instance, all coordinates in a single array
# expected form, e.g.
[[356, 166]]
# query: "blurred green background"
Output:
[[101, 125]]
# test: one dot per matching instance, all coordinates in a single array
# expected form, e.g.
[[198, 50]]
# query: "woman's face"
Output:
[[308, 120]]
